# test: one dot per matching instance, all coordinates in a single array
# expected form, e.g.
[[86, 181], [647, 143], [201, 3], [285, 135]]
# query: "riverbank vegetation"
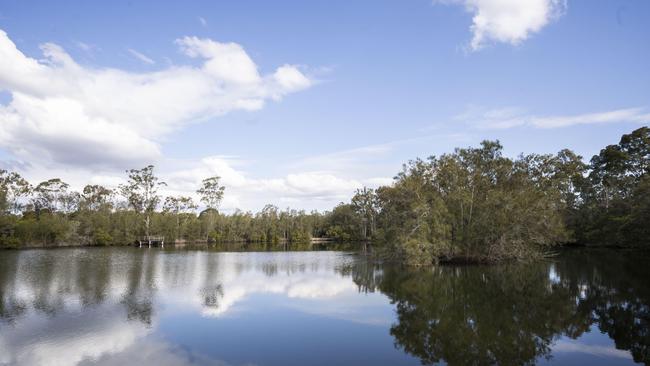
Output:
[[474, 204]]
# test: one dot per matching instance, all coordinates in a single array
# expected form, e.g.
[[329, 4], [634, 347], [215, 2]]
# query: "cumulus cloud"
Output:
[[508, 21], [66, 113], [312, 188], [299, 188], [513, 117], [89, 335]]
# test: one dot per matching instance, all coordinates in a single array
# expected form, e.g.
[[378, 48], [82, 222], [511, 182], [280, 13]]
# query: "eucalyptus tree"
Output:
[[617, 169], [414, 224], [211, 193], [269, 220], [141, 192], [179, 206], [365, 204], [473, 204], [94, 197], [343, 223], [50, 194], [615, 208], [13, 189], [70, 202]]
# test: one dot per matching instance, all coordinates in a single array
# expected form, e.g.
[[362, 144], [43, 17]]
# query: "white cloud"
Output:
[[513, 117], [571, 346], [508, 21], [299, 276], [142, 57], [313, 189], [298, 188], [64, 113], [635, 115], [203, 21]]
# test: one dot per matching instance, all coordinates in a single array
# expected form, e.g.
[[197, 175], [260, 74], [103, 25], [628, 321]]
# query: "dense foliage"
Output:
[[615, 195], [477, 205], [474, 204]]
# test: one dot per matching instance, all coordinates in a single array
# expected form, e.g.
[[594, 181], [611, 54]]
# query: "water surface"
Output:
[[117, 306]]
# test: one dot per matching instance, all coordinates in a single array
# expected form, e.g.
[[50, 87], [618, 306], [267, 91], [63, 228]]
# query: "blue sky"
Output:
[[342, 92]]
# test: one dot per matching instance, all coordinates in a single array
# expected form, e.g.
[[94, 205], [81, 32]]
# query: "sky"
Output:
[[300, 103]]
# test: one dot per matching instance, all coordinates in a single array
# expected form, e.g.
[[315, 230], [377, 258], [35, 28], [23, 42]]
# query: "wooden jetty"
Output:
[[321, 240], [151, 240]]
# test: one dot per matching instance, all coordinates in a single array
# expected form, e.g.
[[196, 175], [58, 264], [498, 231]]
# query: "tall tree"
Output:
[[13, 188], [141, 192], [50, 194], [613, 201], [95, 196], [364, 202], [211, 192], [179, 206]]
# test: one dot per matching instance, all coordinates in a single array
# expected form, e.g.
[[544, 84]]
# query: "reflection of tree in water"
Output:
[[366, 273], [138, 297], [614, 288], [475, 315], [212, 290], [211, 295], [512, 314], [93, 279], [49, 280], [11, 308], [270, 269]]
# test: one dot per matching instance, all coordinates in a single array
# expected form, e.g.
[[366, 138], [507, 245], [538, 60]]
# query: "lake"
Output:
[[117, 306]]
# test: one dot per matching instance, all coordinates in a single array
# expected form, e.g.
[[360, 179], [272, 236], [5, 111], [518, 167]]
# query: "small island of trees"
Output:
[[473, 205]]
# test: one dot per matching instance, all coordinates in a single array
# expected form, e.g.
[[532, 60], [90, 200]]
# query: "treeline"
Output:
[[472, 205], [50, 214]]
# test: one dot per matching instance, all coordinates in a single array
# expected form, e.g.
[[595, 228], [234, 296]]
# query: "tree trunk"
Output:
[[147, 220], [178, 227]]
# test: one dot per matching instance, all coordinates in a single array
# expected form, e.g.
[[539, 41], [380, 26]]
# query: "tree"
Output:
[[413, 221], [473, 205], [179, 206], [343, 223], [617, 169], [211, 193], [613, 199], [364, 202], [95, 197], [141, 192], [70, 202], [50, 194], [269, 223], [13, 188]]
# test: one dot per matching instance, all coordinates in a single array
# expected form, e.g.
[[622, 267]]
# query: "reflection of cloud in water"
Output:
[[79, 336], [590, 349], [151, 352], [220, 282], [298, 286], [99, 337], [81, 306]]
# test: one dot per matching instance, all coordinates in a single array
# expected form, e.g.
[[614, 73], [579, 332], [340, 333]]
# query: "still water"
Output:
[[120, 306]]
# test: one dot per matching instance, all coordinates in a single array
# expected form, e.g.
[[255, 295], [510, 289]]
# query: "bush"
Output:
[[101, 237]]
